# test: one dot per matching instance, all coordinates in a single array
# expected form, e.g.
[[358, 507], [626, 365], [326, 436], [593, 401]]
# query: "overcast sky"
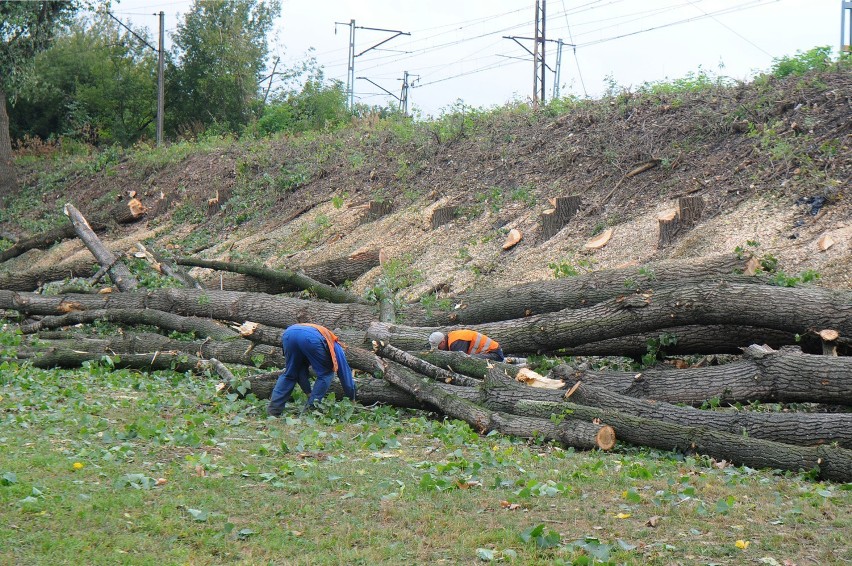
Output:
[[457, 49]]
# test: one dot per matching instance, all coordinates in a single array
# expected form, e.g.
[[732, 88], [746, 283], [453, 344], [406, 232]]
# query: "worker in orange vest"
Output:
[[315, 346], [470, 342]]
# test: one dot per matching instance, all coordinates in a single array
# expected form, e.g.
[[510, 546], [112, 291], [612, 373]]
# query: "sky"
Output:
[[457, 51]]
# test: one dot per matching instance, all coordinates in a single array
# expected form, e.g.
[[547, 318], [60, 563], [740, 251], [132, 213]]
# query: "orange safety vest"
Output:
[[330, 339], [479, 343]]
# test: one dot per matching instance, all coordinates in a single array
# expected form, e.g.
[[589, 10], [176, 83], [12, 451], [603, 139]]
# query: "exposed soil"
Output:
[[772, 160]]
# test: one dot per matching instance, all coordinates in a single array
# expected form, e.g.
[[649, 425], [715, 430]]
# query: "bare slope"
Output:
[[751, 151]]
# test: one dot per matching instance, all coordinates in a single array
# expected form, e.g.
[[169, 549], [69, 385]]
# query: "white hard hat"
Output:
[[435, 339]]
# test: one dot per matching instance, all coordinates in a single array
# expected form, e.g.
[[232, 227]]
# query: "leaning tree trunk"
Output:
[[119, 273], [537, 297], [830, 462], [767, 377], [221, 305], [780, 308], [285, 276]]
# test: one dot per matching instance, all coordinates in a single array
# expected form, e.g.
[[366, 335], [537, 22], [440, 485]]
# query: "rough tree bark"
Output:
[[299, 280], [118, 272], [8, 176], [803, 429], [538, 297], [423, 367], [221, 305], [780, 308], [203, 327], [45, 240], [769, 377], [571, 432], [30, 280], [832, 463]]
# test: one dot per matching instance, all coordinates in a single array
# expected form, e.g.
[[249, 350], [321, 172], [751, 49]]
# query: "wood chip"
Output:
[[600, 240], [825, 242], [513, 238]]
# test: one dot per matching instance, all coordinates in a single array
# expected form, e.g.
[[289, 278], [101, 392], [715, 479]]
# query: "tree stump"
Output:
[[676, 221], [379, 208], [443, 215], [554, 219]]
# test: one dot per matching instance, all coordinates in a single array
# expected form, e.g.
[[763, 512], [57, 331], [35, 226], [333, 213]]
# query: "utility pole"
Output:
[[350, 78], [557, 76], [539, 64], [845, 26], [403, 95], [161, 87]]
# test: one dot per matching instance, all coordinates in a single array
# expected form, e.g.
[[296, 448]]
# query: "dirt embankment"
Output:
[[772, 161]]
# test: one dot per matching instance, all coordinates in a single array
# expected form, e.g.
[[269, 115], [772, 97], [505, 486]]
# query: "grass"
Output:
[[82, 453]]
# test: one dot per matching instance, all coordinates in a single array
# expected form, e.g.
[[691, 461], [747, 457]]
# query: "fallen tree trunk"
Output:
[[831, 463], [764, 376], [803, 429], [780, 308], [571, 432], [30, 280], [538, 297], [709, 339], [203, 327], [298, 280], [221, 305], [45, 240], [118, 272]]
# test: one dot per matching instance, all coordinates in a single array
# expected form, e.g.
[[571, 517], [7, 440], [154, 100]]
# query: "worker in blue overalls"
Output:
[[315, 346]]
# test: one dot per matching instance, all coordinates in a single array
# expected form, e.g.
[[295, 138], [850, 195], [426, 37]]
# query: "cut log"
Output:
[[537, 297], [708, 339], [554, 219], [286, 276], [780, 308], [828, 462], [512, 238], [599, 241], [444, 215], [571, 432], [120, 275], [221, 305], [765, 376], [126, 212], [803, 429], [203, 327], [31, 280], [829, 341]]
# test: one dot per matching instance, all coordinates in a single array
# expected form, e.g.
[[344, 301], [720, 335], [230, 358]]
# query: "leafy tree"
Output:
[[220, 49], [818, 58], [318, 105], [26, 28], [93, 83]]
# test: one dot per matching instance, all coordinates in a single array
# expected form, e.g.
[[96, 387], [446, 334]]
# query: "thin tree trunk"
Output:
[[299, 280], [423, 367]]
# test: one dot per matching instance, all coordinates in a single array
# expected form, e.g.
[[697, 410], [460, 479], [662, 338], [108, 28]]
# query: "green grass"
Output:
[[354, 485]]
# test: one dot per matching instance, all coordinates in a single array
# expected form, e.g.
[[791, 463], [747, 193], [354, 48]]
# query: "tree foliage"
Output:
[[94, 83], [219, 52]]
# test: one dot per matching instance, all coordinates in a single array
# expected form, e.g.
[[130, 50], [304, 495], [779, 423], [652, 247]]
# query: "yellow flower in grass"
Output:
[[743, 544], [78, 465]]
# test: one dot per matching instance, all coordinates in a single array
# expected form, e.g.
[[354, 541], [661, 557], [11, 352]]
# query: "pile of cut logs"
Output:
[[790, 347]]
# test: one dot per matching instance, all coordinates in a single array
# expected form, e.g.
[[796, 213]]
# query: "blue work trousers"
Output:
[[304, 347]]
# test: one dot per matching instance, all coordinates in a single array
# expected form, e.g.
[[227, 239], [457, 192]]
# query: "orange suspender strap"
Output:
[[330, 339]]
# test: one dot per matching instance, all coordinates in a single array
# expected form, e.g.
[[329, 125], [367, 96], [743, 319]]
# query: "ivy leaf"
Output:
[[198, 514], [8, 478], [485, 554]]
